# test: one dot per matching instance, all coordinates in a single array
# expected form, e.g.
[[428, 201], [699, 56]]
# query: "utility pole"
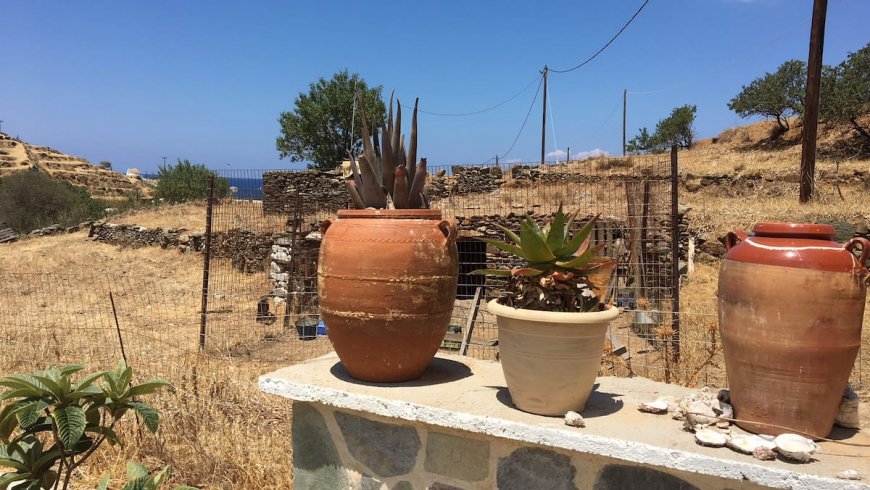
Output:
[[624, 111], [1, 125], [164, 161], [568, 156], [811, 110], [496, 160], [544, 116]]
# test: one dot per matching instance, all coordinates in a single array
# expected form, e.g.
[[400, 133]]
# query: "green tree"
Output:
[[105, 164], [319, 127], [777, 95], [846, 91], [188, 181], [676, 129], [31, 200]]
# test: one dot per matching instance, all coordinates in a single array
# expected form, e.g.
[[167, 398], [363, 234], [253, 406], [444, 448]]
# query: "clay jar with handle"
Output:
[[791, 303], [387, 282]]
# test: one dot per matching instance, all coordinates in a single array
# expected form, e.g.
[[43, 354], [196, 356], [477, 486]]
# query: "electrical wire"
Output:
[[595, 135], [608, 42], [532, 106], [552, 121], [496, 106]]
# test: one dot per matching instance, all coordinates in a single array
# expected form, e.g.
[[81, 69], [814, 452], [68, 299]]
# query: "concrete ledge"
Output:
[[465, 396]]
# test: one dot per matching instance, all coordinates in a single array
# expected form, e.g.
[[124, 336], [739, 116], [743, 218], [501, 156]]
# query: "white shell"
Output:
[[710, 437], [849, 475], [574, 419], [795, 447], [658, 406], [747, 444]]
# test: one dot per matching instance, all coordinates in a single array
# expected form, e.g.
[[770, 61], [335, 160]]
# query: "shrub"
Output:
[[187, 181], [53, 421], [31, 200]]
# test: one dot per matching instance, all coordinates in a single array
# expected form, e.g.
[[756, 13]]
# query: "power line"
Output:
[[458, 114], [608, 42], [532, 106]]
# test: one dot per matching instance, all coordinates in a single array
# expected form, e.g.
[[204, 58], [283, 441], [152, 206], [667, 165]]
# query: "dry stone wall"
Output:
[[318, 191]]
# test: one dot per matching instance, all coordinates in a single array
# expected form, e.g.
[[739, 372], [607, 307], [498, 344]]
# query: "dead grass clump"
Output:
[[607, 164]]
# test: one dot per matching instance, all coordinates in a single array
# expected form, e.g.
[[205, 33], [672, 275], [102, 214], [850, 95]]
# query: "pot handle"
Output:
[[865, 249], [733, 237], [326, 224], [450, 230]]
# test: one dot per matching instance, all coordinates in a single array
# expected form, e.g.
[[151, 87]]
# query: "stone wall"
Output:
[[318, 191], [345, 449]]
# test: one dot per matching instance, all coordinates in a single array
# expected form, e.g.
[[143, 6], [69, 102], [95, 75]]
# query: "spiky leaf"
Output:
[[533, 244]]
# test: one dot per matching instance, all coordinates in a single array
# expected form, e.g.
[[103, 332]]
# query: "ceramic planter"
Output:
[[791, 303], [550, 359], [386, 281]]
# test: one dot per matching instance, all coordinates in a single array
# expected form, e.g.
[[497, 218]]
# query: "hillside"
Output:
[[17, 155]]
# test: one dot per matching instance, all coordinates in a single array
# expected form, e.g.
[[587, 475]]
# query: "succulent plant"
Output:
[[560, 273], [387, 175]]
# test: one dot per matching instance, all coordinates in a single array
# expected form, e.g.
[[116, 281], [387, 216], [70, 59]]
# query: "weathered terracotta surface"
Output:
[[387, 282], [791, 303], [550, 359]]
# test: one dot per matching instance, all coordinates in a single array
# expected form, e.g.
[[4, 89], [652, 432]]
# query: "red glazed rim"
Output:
[[793, 230], [391, 213]]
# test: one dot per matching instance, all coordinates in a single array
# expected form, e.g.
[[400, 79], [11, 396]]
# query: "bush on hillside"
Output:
[[31, 200], [188, 181]]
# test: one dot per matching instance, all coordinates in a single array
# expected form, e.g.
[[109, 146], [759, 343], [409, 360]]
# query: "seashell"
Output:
[[724, 396], [849, 475], [699, 414], [795, 447], [724, 410], [764, 454], [747, 444], [710, 438], [574, 419], [657, 406]]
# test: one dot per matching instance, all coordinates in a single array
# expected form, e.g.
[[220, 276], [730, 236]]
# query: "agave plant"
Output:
[[387, 175], [560, 273]]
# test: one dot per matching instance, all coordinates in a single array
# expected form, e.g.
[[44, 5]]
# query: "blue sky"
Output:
[[130, 82]]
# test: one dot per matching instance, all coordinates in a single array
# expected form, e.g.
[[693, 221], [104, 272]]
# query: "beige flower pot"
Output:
[[550, 359]]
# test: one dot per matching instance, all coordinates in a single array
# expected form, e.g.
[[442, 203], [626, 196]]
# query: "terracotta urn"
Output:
[[386, 281], [550, 359], [791, 303]]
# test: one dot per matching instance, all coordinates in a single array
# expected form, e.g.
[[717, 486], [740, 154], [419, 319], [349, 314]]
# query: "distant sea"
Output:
[[246, 187]]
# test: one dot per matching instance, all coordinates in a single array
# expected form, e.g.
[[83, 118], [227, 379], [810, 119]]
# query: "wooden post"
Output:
[[206, 259], [624, 111], [811, 104], [544, 117]]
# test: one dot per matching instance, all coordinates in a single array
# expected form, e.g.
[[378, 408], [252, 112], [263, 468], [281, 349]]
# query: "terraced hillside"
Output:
[[17, 155]]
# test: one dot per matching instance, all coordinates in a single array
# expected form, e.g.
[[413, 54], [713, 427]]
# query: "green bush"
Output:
[[31, 200], [52, 421], [187, 181]]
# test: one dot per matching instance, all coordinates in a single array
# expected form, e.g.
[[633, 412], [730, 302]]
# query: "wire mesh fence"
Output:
[[262, 300]]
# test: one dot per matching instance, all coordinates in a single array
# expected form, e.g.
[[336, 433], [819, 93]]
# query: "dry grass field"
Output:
[[217, 430]]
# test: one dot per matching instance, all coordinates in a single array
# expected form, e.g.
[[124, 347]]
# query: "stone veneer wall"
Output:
[[343, 449]]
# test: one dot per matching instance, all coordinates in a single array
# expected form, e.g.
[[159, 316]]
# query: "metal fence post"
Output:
[[675, 251], [203, 319]]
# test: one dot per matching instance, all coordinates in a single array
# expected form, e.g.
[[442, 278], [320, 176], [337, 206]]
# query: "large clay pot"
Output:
[[550, 359], [791, 302], [387, 281]]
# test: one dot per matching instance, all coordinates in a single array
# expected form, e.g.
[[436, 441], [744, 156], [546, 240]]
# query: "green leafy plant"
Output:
[[187, 181], [560, 272], [138, 478], [387, 175], [52, 423]]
